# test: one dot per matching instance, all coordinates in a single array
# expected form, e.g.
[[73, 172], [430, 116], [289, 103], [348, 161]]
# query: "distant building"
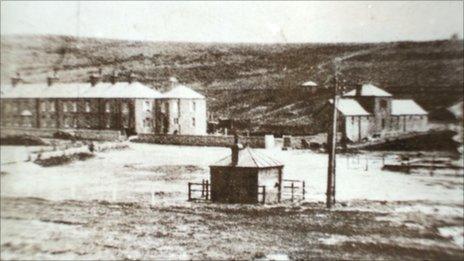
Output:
[[369, 111], [128, 106], [310, 85], [182, 111]]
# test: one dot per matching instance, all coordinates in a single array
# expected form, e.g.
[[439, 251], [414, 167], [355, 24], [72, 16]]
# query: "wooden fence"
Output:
[[204, 187], [293, 189]]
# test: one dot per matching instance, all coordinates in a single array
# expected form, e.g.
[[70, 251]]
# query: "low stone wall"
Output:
[[48, 133], [200, 140]]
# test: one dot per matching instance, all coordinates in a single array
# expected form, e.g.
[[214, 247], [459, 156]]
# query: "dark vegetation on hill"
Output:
[[250, 81]]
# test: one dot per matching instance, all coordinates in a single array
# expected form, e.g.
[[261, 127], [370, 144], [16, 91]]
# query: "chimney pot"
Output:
[[94, 78], [52, 78], [131, 78], [114, 77], [358, 89], [235, 151], [16, 79]]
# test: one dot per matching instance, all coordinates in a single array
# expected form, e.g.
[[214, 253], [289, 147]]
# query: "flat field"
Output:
[[132, 204]]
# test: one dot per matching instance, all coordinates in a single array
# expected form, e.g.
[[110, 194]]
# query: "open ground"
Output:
[[132, 204]]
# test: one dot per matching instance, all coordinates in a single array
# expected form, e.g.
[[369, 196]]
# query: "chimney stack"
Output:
[[173, 80], [52, 78], [16, 79], [114, 77], [131, 77], [235, 150], [358, 89], [94, 78]]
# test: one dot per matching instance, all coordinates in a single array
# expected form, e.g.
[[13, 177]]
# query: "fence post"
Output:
[[304, 191], [202, 188], [264, 195], [292, 190], [207, 189], [189, 192], [432, 166], [383, 160]]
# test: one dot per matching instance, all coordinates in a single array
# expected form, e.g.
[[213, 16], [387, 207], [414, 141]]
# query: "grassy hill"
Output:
[[250, 81]]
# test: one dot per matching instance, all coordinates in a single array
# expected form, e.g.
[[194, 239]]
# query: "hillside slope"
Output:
[[258, 82]]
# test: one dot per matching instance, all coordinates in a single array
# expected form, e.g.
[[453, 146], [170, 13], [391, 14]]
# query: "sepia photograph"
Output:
[[232, 130]]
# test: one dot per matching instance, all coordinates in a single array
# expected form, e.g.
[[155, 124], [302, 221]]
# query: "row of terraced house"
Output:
[[127, 106]]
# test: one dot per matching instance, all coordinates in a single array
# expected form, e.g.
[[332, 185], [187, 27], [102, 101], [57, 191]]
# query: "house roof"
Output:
[[249, 158], [369, 90], [81, 90], [457, 109], [309, 84], [182, 92], [350, 107], [406, 107]]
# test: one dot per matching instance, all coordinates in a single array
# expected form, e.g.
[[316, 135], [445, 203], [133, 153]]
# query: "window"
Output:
[[175, 108], [87, 106], [108, 106], [66, 121], [52, 106], [193, 122], [43, 106], [75, 122], [74, 106], [383, 123], [383, 104], [147, 106], [352, 120], [65, 106], [176, 120], [108, 123], [147, 123], [193, 106], [125, 108], [7, 107]]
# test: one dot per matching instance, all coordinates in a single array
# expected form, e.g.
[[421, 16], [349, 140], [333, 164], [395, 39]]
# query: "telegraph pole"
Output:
[[332, 142]]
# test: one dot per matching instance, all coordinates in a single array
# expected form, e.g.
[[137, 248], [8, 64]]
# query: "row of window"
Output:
[[70, 106], [193, 121], [176, 107]]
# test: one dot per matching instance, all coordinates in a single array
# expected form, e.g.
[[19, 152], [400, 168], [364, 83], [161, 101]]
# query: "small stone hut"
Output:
[[246, 176]]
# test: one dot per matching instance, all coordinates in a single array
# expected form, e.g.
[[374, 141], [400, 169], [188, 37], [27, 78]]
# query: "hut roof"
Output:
[[309, 84], [249, 158]]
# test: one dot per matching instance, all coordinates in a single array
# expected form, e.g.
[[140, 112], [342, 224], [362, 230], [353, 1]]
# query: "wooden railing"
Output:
[[262, 193], [204, 187], [293, 189]]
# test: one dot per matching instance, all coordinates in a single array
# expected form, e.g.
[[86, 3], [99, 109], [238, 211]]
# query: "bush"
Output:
[[63, 135], [62, 160], [26, 140]]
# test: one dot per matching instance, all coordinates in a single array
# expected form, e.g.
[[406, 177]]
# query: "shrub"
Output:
[[63, 135], [62, 160]]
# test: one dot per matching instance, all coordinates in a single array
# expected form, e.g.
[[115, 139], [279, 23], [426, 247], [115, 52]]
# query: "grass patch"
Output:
[[62, 160]]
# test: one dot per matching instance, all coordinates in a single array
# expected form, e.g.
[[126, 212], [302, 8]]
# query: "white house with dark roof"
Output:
[[181, 111], [128, 106], [370, 111]]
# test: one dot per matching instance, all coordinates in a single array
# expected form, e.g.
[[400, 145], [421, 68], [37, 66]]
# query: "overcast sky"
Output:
[[237, 21]]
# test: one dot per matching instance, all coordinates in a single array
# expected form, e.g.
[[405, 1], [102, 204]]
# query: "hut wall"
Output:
[[234, 185], [271, 179]]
